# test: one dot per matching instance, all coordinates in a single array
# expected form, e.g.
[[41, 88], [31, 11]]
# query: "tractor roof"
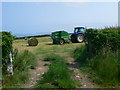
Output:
[[80, 27]]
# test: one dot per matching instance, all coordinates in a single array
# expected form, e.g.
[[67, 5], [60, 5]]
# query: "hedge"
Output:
[[97, 40], [7, 40]]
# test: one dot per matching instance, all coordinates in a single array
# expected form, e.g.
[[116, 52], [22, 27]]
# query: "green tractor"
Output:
[[60, 37]]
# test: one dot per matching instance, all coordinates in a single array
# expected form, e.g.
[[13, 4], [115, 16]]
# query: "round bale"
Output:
[[32, 42]]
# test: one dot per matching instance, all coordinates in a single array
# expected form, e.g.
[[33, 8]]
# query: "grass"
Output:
[[45, 47], [107, 67], [58, 75], [102, 68], [43, 51], [52, 57], [22, 62]]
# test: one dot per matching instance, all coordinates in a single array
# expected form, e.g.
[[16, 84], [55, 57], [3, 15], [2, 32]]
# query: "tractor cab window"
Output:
[[76, 30], [79, 30], [82, 30]]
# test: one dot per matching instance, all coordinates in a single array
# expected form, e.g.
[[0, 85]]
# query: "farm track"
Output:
[[83, 80], [35, 74]]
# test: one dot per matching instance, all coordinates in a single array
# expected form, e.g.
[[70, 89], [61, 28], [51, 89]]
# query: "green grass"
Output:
[[58, 75], [107, 67], [22, 62], [102, 68], [62, 50], [46, 51], [81, 55], [52, 57]]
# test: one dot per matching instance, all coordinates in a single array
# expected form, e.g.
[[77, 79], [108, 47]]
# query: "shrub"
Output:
[[7, 40], [32, 42], [58, 76]]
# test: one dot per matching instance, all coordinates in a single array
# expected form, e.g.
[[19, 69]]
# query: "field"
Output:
[[45, 49], [90, 64]]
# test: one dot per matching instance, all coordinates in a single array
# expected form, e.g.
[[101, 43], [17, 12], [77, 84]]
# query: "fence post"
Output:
[[10, 65]]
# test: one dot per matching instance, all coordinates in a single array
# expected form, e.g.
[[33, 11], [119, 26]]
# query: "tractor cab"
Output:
[[79, 30]]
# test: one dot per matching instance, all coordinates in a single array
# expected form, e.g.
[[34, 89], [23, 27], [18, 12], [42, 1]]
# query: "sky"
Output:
[[45, 17]]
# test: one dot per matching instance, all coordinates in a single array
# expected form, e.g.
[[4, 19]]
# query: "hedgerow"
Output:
[[7, 40], [101, 55], [99, 39]]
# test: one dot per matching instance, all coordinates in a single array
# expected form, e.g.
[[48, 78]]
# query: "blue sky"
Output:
[[45, 17]]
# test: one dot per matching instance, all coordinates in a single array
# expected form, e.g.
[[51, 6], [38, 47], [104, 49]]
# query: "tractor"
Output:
[[60, 37], [78, 35]]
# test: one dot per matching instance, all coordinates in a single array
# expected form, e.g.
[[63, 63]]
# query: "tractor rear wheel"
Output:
[[61, 42], [80, 38]]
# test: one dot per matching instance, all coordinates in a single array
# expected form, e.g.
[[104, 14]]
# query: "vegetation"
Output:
[[52, 57], [106, 38], [58, 75], [100, 56], [43, 51], [32, 42], [22, 62], [7, 40]]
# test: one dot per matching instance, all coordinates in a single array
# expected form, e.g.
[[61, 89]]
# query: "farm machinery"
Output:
[[61, 37], [78, 35]]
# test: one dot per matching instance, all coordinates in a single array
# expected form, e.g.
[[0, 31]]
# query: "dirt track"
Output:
[[83, 80]]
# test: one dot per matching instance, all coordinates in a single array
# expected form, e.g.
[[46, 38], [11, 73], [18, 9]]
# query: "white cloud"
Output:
[[59, 0]]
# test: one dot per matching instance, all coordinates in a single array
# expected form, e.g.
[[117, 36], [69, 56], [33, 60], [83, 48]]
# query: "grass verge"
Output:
[[103, 68], [23, 61]]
